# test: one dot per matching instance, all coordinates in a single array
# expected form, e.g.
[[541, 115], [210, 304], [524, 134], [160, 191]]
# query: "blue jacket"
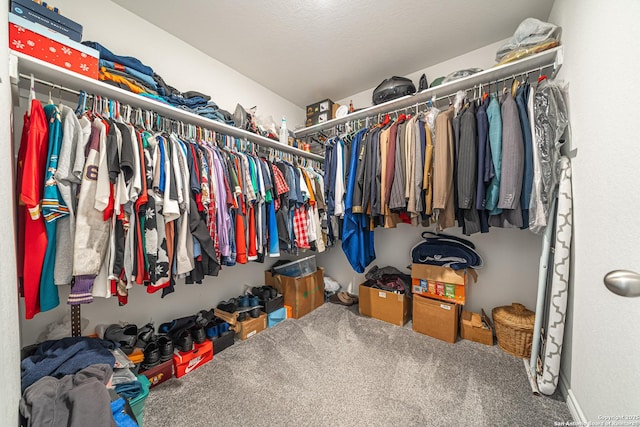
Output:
[[357, 237]]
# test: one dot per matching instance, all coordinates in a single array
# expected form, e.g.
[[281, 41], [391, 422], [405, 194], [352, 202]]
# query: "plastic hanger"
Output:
[[32, 94]]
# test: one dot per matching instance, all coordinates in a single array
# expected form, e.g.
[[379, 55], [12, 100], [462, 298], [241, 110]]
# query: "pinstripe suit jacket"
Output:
[[512, 155], [466, 171]]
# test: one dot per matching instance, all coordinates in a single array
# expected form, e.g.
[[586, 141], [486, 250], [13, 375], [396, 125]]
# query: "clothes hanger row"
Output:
[[479, 92], [154, 122]]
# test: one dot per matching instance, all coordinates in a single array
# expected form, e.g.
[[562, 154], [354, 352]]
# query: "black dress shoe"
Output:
[[151, 355], [165, 344]]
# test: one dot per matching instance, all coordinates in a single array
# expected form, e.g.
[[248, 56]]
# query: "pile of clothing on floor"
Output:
[[76, 381], [129, 73], [388, 279]]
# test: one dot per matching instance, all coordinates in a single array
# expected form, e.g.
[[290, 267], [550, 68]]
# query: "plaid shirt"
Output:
[[280, 185], [301, 227]]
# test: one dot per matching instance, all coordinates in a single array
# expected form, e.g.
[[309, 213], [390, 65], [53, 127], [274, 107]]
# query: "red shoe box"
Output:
[[49, 46], [188, 361], [160, 373]]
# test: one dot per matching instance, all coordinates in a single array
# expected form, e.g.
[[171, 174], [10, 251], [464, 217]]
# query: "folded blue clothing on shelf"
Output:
[[147, 79], [178, 100], [127, 61]]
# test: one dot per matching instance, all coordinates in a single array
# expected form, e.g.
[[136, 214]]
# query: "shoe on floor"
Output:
[[151, 355], [165, 345], [126, 336]]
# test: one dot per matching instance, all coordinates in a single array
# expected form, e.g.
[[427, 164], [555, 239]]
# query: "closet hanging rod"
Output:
[[549, 58], [51, 84], [48, 73]]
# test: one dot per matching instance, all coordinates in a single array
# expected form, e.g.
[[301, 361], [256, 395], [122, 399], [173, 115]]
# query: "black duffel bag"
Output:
[[392, 88]]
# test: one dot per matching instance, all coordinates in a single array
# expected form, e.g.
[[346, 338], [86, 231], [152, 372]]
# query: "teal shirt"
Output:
[[53, 208], [495, 142]]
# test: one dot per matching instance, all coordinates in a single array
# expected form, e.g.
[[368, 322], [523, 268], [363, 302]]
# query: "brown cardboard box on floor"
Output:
[[388, 306], [251, 326], [471, 327], [303, 294], [438, 319]]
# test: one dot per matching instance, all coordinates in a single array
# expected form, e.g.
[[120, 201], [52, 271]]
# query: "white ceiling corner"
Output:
[[307, 50]]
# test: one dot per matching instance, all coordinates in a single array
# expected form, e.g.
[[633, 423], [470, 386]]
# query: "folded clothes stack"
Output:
[[131, 74]]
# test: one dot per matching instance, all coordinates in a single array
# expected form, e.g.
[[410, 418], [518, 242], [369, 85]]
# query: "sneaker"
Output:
[[244, 301], [212, 330], [126, 336], [230, 306], [145, 335], [198, 334], [183, 341]]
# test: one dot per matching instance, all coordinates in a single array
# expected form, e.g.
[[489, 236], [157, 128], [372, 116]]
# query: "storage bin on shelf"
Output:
[[514, 329], [298, 268]]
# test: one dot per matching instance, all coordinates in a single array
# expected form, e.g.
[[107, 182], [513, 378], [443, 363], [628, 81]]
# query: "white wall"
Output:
[[601, 358], [511, 256], [185, 68], [179, 64], [480, 58], [10, 356]]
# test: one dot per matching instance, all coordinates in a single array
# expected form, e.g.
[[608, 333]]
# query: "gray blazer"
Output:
[[512, 155]]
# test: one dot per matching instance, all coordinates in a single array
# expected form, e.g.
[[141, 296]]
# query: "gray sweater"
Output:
[[78, 400]]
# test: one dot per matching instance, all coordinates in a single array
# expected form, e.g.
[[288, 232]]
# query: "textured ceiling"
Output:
[[307, 50]]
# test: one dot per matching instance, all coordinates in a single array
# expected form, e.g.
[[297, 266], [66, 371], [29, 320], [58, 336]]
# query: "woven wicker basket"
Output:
[[514, 329]]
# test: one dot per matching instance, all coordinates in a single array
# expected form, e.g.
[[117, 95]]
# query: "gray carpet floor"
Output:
[[336, 368]]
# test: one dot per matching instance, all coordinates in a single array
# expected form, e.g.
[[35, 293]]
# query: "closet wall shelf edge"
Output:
[[549, 58], [71, 80]]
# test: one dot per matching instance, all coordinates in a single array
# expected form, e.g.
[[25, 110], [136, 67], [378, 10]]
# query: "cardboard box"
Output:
[[384, 305], [251, 326], [441, 282], [41, 43], [159, 374], [438, 319], [188, 361], [476, 327], [326, 105], [302, 294], [34, 12], [276, 317]]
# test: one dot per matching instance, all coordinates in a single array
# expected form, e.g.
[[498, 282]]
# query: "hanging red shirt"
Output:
[[32, 162]]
